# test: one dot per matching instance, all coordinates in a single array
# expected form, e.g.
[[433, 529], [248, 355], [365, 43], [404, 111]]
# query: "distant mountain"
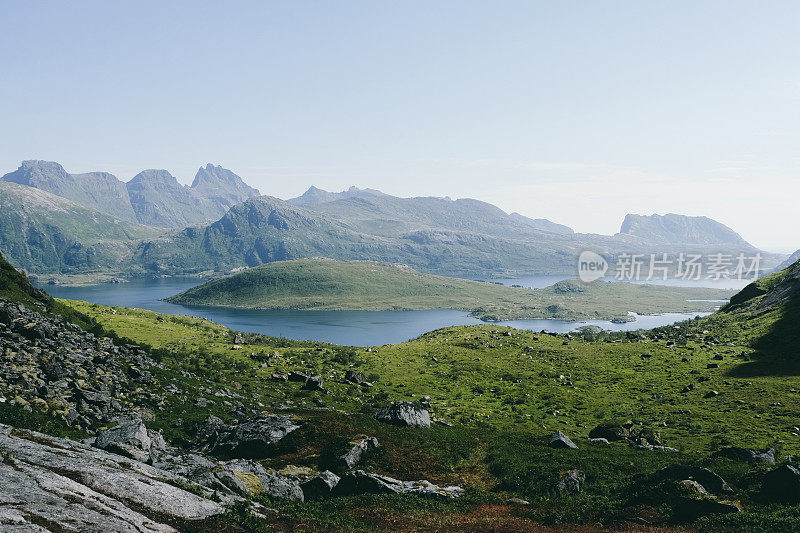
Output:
[[542, 224], [681, 229], [466, 238], [314, 195], [789, 261], [152, 197], [44, 233], [221, 186], [96, 190], [424, 219]]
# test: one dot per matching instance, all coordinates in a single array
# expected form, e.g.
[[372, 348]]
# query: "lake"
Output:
[[355, 328]]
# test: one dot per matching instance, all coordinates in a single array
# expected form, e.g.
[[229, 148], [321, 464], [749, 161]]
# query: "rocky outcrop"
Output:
[[152, 197], [747, 455], [360, 482], [252, 438], [405, 414], [131, 439], [559, 440], [353, 455], [782, 485], [71, 486], [320, 486], [571, 481], [54, 366]]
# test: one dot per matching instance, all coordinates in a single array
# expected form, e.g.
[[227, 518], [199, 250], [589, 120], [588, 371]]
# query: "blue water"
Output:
[[354, 328]]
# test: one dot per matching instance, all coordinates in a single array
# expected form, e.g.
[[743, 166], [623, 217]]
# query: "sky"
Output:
[[575, 111]]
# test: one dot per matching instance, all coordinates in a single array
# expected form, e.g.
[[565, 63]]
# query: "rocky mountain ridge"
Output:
[[152, 197]]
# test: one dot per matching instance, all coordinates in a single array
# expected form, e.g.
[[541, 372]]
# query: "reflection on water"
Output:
[[356, 328]]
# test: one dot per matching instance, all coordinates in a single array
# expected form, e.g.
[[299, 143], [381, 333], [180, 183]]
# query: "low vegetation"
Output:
[[368, 285]]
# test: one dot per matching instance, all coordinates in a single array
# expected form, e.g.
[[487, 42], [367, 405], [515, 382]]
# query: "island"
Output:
[[327, 284]]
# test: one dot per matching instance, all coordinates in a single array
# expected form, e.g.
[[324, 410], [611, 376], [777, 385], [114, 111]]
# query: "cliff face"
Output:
[[680, 229]]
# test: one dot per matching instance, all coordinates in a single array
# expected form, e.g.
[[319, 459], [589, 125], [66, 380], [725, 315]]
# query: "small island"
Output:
[[327, 284]]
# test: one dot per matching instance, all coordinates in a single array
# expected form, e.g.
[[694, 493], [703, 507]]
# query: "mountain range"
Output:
[[221, 224], [152, 197]]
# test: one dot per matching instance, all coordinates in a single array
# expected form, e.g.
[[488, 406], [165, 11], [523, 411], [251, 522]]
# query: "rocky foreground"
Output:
[[126, 477]]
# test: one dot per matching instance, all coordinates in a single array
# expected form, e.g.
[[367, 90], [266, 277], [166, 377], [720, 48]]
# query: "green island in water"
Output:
[[326, 284]]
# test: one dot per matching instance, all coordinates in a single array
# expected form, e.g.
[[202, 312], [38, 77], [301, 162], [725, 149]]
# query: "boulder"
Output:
[[405, 414], [708, 479], [353, 376], [747, 455], [352, 456], [360, 482], [559, 440], [252, 439], [571, 481], [298, 377], [320, 486], [782, 485], [610, 432], [690, 500], [314, 383], [129, 438]]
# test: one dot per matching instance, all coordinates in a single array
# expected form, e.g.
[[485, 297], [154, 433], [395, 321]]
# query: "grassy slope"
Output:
[[44, 233], [367, 285], [505, 394]]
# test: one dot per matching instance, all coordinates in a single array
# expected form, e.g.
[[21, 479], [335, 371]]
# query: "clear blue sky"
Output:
[[575, 111]]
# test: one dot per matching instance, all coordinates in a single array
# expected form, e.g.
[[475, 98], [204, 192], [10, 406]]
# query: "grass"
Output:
[[368, 285], [506, 391]]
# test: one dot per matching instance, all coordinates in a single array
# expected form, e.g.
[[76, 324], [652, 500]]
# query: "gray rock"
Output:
[[782, 485], [708, 479], [405, 414], [610, 432], [66, 480], [748, 455], [559, 440], [353, 376], [320, 486], [360, 482], [314, 383], [572, 481], [130, 438], [254, 438], [350, 458], [272, 484]]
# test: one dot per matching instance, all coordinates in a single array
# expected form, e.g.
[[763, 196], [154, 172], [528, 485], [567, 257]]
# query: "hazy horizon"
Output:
[[575, 112]]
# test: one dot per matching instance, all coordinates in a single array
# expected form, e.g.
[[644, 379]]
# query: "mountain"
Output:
[[96, 190], [681, 229], [463, 237], [466, 238], [159, 200], [221, 186], [542, 224], [152, 197], [789, 261], [314, 195], [45, 233]]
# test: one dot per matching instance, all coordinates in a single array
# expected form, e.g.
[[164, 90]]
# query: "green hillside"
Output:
[[368, 285], [47, 234], [692, 386]]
